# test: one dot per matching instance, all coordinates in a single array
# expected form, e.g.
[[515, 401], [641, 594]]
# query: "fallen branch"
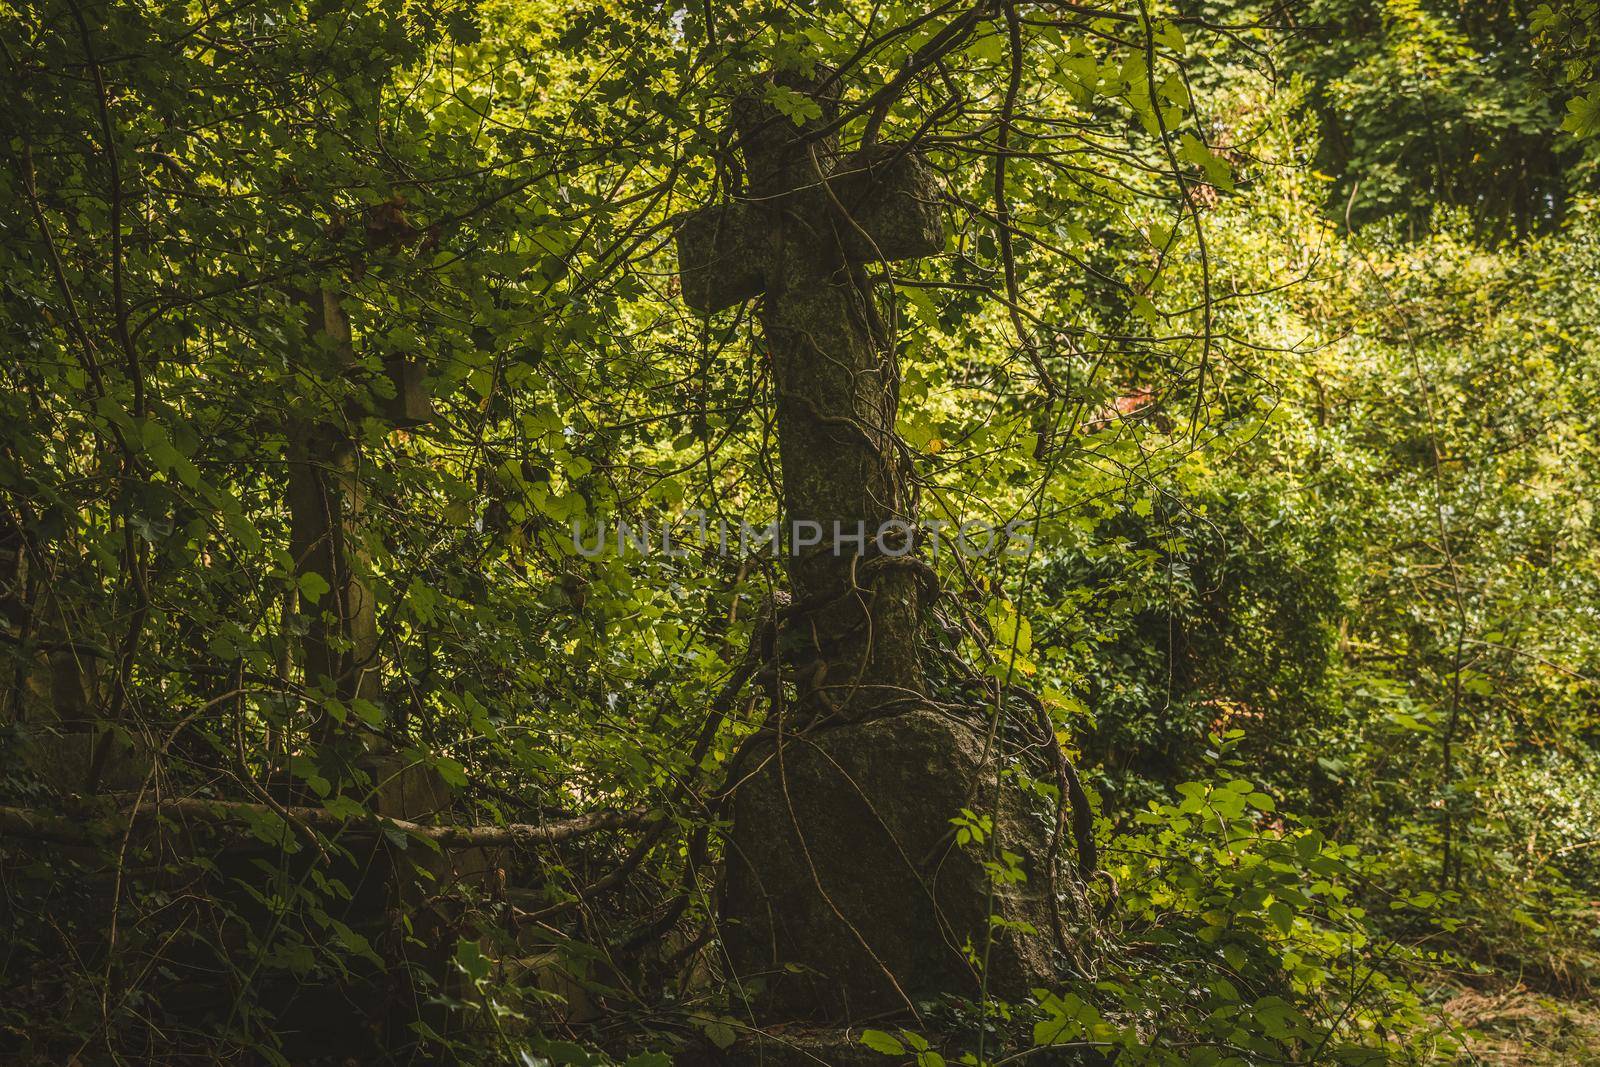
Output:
[[65, 829]]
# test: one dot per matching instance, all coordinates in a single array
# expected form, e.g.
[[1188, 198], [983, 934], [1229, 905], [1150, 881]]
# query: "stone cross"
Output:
[[844, 889], [883, 206], [812, 224]]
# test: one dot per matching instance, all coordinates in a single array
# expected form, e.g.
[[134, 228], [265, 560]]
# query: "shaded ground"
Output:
[[1514, 1026]]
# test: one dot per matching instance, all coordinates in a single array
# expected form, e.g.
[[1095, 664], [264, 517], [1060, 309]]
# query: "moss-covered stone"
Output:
[[847, 895], [718, 264], [892, 198]]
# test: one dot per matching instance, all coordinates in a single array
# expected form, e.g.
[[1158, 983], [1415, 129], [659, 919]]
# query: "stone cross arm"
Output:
[[883, 200]]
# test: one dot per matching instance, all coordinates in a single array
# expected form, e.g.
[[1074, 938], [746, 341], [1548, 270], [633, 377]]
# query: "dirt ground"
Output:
[[1516, 1027]]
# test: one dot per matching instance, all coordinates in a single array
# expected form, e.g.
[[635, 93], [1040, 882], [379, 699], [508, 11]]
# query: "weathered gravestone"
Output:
[[326, 499], [399, 897], [846, 896]]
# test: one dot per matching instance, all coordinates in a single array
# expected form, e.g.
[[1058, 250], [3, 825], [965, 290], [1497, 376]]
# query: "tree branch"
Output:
[[49, 826]]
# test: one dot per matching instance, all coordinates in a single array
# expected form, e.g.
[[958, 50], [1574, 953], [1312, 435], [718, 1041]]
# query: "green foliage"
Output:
[[1250, 930], [1308, 596], [1216, 607], [1422, 104], [1570, 34]]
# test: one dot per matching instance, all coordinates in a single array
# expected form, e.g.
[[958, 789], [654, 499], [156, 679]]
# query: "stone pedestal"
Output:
[[847, 895]]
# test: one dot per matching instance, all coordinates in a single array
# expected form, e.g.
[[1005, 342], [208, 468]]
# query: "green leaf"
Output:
[[344, 806], [569, 1053], [719, 1033], [470, 958], [1262, 802], [1583, 115], [421, 601], [797, 107], [313, 586], [987, 45], [451, 771], [367, 712], [922, 302], [886, 1043], [1217, 171]]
